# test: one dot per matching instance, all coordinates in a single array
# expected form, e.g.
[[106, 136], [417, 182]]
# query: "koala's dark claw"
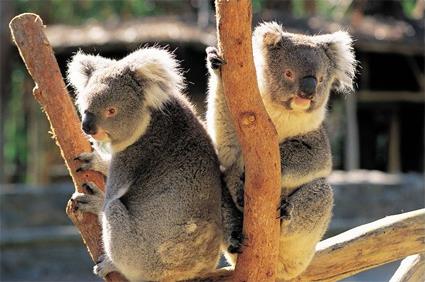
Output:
[[75, 206], [240, 198], [88, 188], [236, 243], [85, 159], [213, 58], [286, 209], [216, 63]]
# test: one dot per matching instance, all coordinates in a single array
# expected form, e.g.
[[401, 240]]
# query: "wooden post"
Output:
[[258, 138], [352, 152], [50, 91]]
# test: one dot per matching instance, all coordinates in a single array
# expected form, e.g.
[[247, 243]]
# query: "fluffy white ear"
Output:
[[82, 66], [155, 65], [158, 70], [339, 48], [268, 33]]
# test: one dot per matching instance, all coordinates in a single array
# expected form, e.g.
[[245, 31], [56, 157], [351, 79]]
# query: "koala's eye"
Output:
[[321, 79], [289, 75], [110, 112]]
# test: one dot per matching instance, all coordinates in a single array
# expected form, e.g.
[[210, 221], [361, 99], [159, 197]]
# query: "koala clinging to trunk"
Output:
[[161, 213], [295, 75]]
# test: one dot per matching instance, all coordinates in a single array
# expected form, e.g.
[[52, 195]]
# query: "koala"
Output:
[[295, 75], [161, 211]]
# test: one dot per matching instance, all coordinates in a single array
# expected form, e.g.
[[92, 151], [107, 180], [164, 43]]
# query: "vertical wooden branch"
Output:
[[50, 91], [258, 138]]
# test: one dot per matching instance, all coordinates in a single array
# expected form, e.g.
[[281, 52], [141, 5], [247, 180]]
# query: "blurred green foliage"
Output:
[[15, 131], [408, 6], [79, 11]]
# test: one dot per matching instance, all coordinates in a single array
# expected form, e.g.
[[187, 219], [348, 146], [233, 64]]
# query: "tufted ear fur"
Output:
[[267, 34], [338, 47], [81, 68], [158, 71]]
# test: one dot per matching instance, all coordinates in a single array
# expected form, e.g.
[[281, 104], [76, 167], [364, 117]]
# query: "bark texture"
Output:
[[50, 91], [258, 138]]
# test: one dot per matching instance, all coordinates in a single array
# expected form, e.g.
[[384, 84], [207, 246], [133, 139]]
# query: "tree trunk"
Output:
[[50, 92], [258, 138]]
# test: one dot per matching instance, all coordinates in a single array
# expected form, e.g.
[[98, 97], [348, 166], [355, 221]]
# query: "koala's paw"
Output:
[[90, 201], [104, 266], [240, 192], [91, 161], [236, 242], [286, 209], [214, 60], [240, 199]]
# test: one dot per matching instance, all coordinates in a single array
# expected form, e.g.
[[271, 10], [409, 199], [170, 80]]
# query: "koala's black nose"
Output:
[[308, 86], [89, 125]]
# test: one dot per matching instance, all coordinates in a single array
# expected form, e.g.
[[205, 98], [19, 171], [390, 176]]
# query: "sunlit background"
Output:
[[377, 133]]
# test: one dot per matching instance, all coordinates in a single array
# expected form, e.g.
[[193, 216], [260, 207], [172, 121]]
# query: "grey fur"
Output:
[[305, 151], [160, 215]]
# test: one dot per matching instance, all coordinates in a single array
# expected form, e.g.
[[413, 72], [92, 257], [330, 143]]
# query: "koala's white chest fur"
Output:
[[290, 123]]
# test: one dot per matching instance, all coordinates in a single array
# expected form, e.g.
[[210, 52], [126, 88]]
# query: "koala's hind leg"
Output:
[[305, 217], [232, 226], [234, 177]]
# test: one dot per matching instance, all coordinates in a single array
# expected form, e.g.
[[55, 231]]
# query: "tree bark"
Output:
[[359, 249], [50, 91], [258, 139]]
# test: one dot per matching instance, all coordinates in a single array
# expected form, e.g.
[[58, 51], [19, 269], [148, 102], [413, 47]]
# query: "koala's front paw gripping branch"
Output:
[[50, 91]]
